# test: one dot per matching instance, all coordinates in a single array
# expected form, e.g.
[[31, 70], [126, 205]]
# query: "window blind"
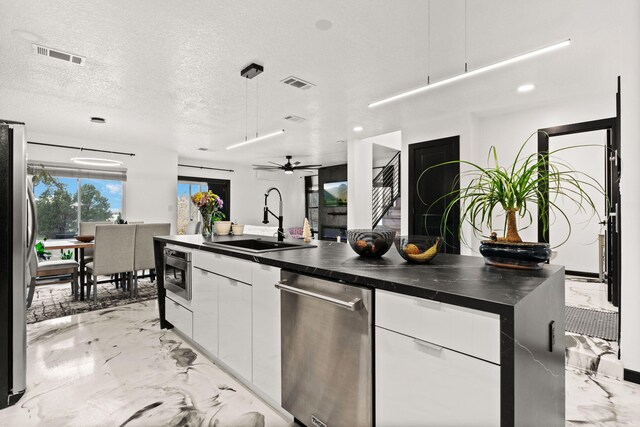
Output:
[[66, 170]]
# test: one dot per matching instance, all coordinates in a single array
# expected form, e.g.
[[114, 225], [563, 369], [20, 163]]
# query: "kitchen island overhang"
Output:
[[530, 305]]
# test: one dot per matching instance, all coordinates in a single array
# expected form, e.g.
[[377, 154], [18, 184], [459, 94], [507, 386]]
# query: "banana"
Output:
[[426, 255]]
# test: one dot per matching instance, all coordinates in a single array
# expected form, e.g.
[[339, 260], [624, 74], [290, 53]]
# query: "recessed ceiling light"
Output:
[[97, 120], [323, 25], [357, 129], [526, 88], [26, 35], [203, 149]]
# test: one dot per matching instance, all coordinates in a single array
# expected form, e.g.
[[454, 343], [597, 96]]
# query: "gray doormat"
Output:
[[593, 323]]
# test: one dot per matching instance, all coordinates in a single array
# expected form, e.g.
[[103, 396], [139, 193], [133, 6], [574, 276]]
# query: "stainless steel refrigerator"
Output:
[[17, 237]]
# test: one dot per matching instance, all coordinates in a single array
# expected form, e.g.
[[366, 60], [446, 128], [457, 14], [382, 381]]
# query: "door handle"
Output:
[[34, 222], [353, 305]]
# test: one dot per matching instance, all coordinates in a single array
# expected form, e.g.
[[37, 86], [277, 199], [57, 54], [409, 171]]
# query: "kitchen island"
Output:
[[499, 331]]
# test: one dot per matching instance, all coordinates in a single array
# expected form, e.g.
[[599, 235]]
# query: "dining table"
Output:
[[78, 250]]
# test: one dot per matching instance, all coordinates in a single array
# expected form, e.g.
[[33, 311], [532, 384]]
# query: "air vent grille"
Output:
[[58, 54], [297, 83], [296, 119]]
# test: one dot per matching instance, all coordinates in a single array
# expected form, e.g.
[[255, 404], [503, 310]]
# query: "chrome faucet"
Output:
[[267, 211]]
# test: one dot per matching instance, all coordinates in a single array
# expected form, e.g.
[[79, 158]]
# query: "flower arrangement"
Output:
[[209, 204]]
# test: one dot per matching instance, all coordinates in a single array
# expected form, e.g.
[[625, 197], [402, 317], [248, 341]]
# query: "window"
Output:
[[186, 210], [188, 186], [66, 196], [311, 190]]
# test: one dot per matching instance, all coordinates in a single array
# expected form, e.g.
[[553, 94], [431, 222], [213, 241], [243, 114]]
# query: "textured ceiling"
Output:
[[167, 73]]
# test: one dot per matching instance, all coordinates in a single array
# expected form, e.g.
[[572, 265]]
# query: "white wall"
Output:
[[248, 188], [630, 182], [360, 163], [151, 186]]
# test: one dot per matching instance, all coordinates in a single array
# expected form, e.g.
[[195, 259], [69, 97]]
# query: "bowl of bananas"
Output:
[[418, 249]]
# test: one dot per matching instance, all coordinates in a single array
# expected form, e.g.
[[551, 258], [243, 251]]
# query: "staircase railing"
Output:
[[386, 189]]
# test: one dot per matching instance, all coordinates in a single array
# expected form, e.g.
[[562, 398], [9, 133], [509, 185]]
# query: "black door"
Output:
[[426, 191]]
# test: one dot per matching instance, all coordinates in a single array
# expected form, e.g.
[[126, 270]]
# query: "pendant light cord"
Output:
[[246, 106], [429, 42], [257, 102], [465, 37]]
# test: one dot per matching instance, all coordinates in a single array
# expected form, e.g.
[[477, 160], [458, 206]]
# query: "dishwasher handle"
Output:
[[353, 305]]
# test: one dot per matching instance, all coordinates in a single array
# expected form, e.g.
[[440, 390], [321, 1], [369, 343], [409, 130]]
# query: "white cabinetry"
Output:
[[205, 309], [266, 331], [429, 363], [234, 336], [419, 384], [179, 316]]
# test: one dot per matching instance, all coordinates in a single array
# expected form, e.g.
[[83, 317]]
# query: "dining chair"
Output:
[[144, 258], [193, 227], [112, 254], [65, 270], [89, 229]]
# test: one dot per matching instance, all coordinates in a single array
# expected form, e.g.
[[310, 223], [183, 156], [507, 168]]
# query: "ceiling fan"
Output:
[[287, 167]]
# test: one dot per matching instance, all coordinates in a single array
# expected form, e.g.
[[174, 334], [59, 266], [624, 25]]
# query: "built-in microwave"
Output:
[[177, 272]]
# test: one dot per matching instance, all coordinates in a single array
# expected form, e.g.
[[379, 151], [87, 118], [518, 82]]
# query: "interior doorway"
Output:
[[602, 164], [425, 218]]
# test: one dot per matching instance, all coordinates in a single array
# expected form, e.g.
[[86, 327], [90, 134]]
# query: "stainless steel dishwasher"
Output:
[[326, 351]]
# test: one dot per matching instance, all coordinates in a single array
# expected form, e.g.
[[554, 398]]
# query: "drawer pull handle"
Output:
[[427, 344], [428, 303]]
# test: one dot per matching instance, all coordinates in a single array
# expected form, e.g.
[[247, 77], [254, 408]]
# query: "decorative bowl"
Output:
[[418, 249], [86, 238], [237, 229], [222, 228], [370, 243]]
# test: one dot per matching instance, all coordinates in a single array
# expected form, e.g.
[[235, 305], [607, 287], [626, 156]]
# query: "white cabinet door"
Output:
[[266, 331], [234, 339], [418, 384], [205, 309], [180, 317]]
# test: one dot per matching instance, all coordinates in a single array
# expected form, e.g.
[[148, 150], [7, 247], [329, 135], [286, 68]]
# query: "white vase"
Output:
[[222, 228]]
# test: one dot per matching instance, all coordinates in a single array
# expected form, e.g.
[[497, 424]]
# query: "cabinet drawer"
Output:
[[233, 268], [180, 317], [418, 384], [469, 331]]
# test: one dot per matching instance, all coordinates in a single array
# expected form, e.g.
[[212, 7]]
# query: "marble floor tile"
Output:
[[587, 293], [593, 354], [116, 367], [600, 401]]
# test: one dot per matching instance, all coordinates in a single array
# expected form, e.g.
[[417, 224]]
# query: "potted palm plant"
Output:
[[529, 183]]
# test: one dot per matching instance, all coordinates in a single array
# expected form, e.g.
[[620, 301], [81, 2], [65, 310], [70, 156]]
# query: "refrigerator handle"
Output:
[[34, 221]]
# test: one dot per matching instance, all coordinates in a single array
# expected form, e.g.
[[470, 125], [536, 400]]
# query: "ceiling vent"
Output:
[[296, 119], [298, 83], [58, 54]]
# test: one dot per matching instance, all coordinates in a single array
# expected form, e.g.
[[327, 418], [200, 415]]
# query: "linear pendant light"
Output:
[[260, 138], [472, 73]]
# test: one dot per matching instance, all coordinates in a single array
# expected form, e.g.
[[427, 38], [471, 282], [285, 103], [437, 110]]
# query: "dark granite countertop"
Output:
[[455, 279]]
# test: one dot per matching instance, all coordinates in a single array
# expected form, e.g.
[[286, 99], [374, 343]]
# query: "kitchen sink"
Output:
[[258, 245]]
